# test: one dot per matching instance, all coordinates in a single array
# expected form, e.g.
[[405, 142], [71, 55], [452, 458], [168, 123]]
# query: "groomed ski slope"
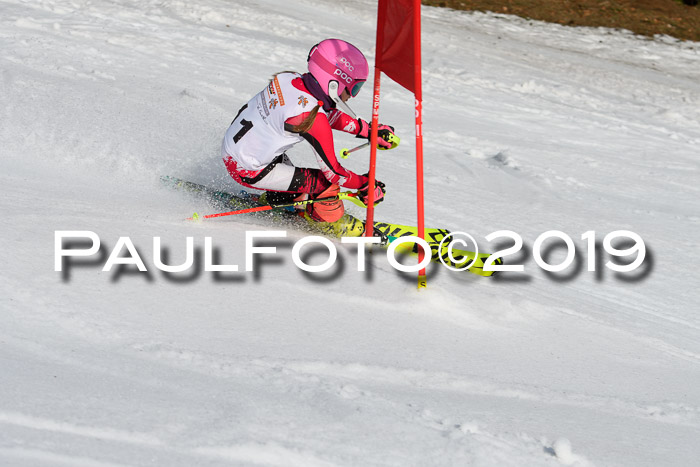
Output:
[[529, 127]]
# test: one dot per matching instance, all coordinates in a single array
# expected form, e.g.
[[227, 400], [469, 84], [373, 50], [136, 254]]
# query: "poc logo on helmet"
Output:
[[347, 64], [344, 76]]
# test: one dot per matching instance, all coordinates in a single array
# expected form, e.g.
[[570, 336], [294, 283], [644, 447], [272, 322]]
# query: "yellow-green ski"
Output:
[[462, 257]]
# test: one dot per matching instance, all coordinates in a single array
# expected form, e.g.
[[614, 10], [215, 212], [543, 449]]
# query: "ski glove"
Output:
[[384, 133], [379, 191]]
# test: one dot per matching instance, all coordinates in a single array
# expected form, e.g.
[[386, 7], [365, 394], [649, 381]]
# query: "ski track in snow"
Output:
[[528, 127]]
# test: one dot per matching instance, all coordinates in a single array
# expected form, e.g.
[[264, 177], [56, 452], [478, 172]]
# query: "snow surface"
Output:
[[529, 127]]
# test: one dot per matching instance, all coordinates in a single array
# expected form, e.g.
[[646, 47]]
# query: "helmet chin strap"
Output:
[[335, 96]]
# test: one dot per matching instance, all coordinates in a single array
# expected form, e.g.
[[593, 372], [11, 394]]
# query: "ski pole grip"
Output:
[[391, 139]]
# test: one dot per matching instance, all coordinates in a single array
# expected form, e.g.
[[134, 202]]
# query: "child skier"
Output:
[[305, 107]]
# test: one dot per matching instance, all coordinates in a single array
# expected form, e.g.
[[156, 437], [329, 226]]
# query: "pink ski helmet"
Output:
[[338, 65]]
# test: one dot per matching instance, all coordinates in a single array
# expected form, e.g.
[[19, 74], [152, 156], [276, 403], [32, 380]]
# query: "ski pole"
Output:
[[344, 153], [391, 139], [353, 198], [344, 195]]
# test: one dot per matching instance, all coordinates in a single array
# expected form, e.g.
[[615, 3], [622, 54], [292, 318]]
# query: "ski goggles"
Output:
[[356, 88]]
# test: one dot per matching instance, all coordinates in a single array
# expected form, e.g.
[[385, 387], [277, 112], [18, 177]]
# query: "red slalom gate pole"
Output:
[[422, 279], [369, 231], [369, 221]]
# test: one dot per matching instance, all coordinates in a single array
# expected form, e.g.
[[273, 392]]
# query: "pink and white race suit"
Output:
[[255, 143]]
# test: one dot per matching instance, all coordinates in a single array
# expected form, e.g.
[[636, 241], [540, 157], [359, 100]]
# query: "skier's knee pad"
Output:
[[327, 211]]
